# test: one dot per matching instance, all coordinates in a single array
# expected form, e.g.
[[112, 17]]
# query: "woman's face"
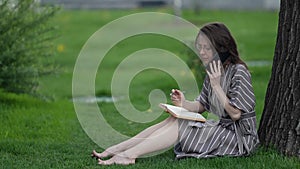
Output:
[[205, 49]]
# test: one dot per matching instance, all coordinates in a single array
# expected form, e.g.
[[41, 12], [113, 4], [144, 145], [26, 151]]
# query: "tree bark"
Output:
[[280, 123]]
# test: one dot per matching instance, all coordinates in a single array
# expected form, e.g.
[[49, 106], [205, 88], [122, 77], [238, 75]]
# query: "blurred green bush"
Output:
[[26, 44]]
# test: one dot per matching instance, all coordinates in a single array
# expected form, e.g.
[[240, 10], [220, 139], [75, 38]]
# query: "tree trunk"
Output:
[[280, 122]]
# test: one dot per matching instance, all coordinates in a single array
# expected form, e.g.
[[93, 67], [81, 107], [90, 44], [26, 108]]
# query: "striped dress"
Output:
[[222, 137]]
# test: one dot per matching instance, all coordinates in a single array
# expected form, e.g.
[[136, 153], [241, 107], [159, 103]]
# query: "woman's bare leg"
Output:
[[132, 141], [159, 140]]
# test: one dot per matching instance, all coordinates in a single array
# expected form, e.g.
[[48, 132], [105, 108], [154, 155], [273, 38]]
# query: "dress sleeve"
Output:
[[203, 97], [241, 93]]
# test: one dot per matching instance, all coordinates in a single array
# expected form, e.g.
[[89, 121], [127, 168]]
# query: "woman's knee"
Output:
[[168, 121], [171, 119]]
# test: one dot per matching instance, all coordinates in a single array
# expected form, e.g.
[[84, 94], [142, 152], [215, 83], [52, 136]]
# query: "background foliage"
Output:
[[25, 42]]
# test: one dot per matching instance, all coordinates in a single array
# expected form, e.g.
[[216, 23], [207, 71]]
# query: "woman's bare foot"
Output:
[[120, 159], [95, 154], [107, 153]]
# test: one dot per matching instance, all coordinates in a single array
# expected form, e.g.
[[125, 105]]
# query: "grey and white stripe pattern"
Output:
[[225, 138]]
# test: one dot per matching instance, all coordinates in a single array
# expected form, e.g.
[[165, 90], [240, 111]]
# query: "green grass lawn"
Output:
[[44, 132]]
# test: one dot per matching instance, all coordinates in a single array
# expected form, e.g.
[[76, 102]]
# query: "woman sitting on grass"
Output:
[[227, 92]]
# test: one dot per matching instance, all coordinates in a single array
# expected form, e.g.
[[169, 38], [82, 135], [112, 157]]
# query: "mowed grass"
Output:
[[44, 132]]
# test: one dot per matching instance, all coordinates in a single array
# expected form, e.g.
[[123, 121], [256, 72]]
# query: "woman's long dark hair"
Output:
[[223, 42]]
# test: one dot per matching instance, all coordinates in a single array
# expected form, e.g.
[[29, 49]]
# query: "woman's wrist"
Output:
[[221, 96], [217, 87], [183, 103]]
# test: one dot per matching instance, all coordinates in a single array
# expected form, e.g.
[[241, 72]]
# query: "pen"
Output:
[[176, 91]]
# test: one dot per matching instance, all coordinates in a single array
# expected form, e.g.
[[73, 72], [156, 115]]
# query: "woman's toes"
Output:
[[117, 159], [95, 154], [106, 162]]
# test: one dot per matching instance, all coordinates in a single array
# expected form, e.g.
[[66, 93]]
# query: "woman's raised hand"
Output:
[[177, 97], [215, 74]]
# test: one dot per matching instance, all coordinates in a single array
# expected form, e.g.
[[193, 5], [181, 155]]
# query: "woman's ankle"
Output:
[[129, 155]]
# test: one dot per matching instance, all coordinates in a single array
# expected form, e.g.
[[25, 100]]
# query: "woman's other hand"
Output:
[[177, 97]]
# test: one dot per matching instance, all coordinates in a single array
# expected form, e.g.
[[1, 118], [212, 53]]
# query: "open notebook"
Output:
[[182, 113]]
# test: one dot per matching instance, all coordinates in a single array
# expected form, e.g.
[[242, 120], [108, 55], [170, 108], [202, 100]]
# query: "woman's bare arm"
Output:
[[214, 77], [178, 99], [193, 106], [233, 112]]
